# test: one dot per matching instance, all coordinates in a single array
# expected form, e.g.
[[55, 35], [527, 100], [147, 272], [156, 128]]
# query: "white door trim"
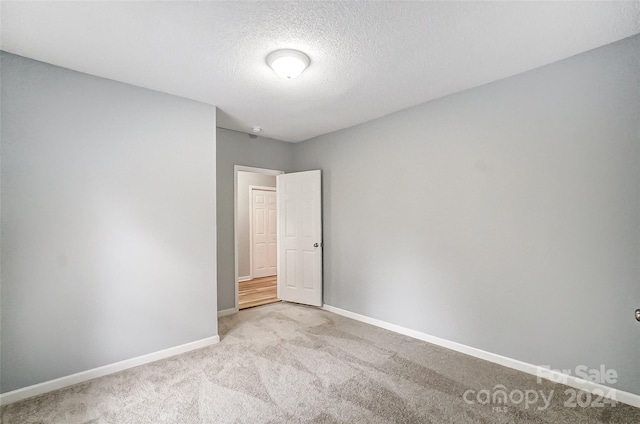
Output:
[[251, 188], [236, 169]]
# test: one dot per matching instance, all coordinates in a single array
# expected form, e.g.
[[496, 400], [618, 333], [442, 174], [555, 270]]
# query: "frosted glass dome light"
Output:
[[288, 63]]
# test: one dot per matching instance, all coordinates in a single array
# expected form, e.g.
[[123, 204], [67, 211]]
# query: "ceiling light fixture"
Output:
[[256, 129], [288, 63]]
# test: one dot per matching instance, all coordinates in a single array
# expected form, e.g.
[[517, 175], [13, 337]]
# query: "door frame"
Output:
[[251, 188], [236, 169]]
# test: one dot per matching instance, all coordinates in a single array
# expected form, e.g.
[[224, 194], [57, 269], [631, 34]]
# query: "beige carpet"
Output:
[[284, 363]]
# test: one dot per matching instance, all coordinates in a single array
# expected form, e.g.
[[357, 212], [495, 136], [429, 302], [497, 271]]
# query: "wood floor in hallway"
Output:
[[256, 292]]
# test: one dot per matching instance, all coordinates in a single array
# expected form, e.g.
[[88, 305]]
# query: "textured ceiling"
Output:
[[368, 59]]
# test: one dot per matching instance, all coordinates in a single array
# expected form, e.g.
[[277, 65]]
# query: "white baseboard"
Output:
[[227, 312], [241, 279], [569, 380], [70, 380]]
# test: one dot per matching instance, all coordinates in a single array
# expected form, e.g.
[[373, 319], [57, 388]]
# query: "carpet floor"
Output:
[[285, 363]]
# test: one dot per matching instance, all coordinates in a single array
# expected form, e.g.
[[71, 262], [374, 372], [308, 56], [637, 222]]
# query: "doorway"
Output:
[[255, 236]]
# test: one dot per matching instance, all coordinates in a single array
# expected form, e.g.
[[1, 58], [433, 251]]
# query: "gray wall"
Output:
[[108, 222], [236, 148], [505, 217], [245, 180]]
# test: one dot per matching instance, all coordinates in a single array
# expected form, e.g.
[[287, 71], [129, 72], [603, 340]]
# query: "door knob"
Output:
[[315, 244]]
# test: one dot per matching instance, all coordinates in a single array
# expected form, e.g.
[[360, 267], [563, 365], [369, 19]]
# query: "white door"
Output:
[[300, 237], [263, 235]]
